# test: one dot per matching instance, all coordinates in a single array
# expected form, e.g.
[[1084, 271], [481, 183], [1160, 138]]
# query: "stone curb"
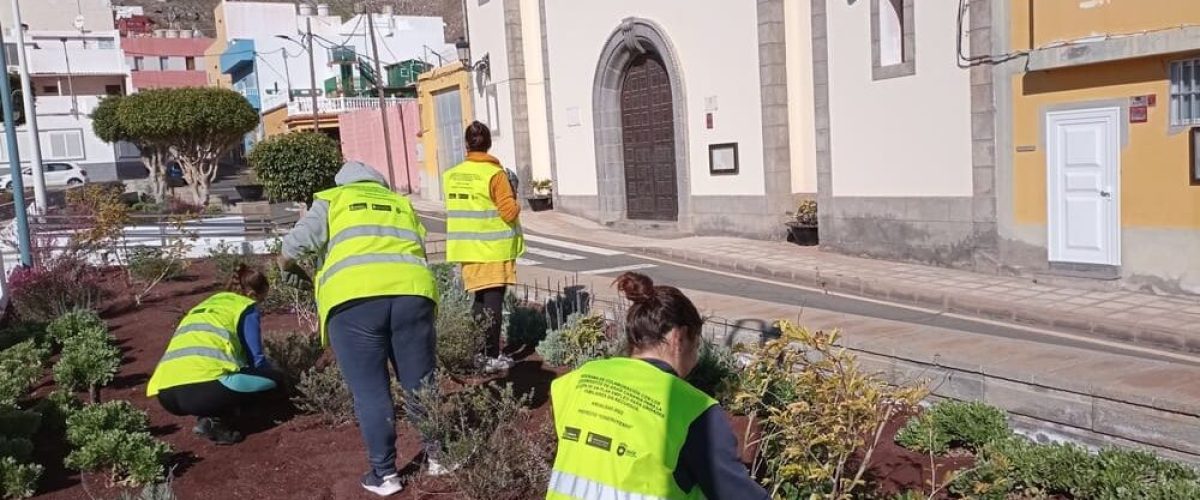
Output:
[[953, 302]]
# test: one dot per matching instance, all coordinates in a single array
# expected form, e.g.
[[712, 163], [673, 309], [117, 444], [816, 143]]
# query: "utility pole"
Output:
[[31, 119], [312, 75], [14, 162], [387, 139], [287, 73]]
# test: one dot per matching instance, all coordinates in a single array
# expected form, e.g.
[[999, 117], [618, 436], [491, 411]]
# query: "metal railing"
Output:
[[335, 105]]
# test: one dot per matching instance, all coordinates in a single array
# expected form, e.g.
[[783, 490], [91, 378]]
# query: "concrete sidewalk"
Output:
[[1170, 322], [1052, 392]]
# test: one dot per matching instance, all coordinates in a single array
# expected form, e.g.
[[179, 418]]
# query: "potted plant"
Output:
[[251, 191], [802, 228], [542, 199]]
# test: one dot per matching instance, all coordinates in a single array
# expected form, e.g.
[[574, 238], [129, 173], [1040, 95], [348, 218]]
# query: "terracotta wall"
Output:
[[362, 140]]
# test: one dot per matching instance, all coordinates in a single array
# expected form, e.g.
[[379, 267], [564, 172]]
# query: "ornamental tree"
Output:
[[295, 166], [136, 119], [209, 122]]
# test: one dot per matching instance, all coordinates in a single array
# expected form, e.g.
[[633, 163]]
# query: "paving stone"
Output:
[[1171, 430], [1039, 402]]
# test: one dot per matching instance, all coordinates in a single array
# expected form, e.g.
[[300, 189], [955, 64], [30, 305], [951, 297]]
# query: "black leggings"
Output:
[[212, 398], [491, 300]]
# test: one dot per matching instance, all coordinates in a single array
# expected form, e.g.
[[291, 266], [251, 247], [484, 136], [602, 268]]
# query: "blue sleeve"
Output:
[[710, 460], [251, 335]]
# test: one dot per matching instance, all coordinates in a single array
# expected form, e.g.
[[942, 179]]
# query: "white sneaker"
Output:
[[386, 486], [436, 469]]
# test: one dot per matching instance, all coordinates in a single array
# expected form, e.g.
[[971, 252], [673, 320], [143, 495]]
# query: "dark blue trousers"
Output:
[[366, 336]]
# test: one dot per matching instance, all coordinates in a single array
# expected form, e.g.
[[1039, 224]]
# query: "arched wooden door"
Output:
[[648, 136]]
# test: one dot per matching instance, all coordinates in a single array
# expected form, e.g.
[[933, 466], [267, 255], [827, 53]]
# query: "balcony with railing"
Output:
[[52, 59], [336, 105]]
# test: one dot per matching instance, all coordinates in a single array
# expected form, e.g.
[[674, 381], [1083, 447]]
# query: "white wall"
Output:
[[493, 103], [906, 136], [60, 14], [535, 89], [716, 43]]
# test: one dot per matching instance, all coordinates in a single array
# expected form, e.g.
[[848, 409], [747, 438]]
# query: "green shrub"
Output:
[[20, 332], [485, 431], [20, 368], [228, 258], [73, 323], [293, 353], [113, 438], [294, 166], [1018, 466], [54, 410], [298, 301], [323, 392], [526, 326], [130, 458], [580, 340], [461, 336], [151, 264], [950, 424], [17, 479], [716, 373], [113, 415], [88, 361]]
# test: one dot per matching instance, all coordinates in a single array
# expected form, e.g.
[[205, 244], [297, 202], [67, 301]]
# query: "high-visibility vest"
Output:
[[205, 346], [474, 230], [621, 424], [376, 249]]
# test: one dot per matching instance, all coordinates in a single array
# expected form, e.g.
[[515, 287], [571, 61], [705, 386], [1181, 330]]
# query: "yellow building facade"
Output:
[[446, 108], [1105, 101]]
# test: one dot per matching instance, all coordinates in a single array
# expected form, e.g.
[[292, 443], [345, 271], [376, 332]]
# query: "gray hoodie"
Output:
[[312, 232]]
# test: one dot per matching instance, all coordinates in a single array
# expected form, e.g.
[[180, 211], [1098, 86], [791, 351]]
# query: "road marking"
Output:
[[1030, 329], [551, 254], [572, 246], [527, 262], [635, 267]]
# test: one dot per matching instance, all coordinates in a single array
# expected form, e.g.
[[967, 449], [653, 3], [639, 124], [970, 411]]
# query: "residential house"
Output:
[[262, 52], [645, 117], [72, 67], [1104, 177], [161, 62]]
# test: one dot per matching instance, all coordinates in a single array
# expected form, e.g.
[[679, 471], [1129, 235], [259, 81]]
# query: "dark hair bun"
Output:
[[636, 287]]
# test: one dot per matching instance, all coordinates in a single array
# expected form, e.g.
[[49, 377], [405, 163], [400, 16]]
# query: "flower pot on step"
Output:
[[803, 234], [540, 203], [250, 192]]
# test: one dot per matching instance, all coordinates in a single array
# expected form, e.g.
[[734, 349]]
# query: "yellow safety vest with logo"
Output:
[[621, 424], [205, 346], [376, 249], [474, 230]]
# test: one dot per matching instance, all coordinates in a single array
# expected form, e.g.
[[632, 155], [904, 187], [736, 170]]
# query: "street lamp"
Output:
[[483, 65], [312, 72]]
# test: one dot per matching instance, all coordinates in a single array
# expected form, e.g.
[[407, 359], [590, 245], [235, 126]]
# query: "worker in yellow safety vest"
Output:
[[376, 299], [632, 427], [483, 233], [214, 363]]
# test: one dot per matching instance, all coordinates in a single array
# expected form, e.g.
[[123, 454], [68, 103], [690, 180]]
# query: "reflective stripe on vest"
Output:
[[579, 487], [475, 232], [376, 249], [205, 346], [621, 424]]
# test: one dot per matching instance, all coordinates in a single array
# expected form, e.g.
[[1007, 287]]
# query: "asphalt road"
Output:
[[568, 256]]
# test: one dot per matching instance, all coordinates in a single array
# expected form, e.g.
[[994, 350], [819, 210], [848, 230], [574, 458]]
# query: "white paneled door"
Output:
[[1083, 169]]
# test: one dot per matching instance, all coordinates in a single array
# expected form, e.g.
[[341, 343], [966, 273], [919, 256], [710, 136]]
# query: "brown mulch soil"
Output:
[[291, 456]]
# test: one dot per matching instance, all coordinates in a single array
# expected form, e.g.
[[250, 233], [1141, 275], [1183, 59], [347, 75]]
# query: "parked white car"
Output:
[[58, 174]]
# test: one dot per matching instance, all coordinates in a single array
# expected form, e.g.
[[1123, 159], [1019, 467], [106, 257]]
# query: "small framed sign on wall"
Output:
[[723, 159]]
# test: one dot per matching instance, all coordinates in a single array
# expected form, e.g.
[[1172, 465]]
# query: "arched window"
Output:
[[893, 38]]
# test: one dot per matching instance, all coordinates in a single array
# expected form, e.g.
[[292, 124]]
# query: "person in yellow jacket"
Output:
[[632, 427], [214, 363], [483, 234], [376, 299]]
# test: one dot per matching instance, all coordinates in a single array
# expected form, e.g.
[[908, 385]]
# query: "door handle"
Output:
[[1105, 194]]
